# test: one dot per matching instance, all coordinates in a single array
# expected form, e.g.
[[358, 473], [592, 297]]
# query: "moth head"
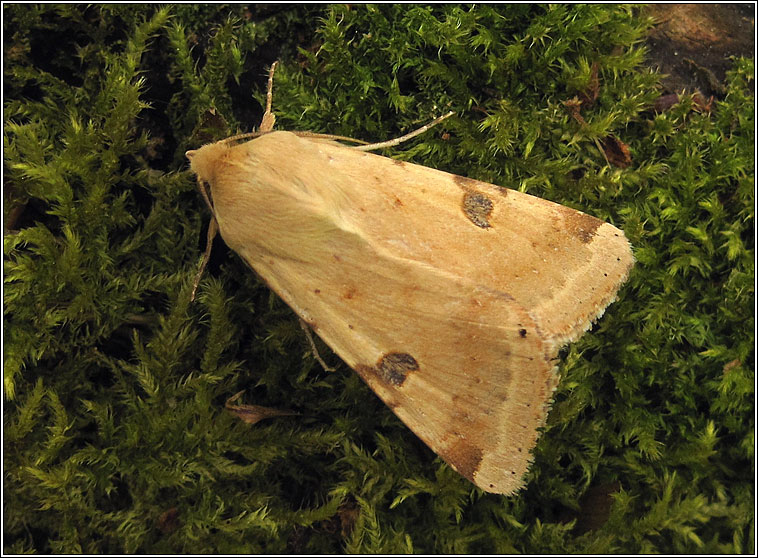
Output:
[[205, 161]]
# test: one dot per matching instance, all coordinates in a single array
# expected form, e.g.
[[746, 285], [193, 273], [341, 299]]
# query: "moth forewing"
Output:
[[450, 297]]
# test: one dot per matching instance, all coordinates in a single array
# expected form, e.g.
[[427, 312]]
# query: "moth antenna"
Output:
[[301, 134], [267, 122], [406, 137], [316, 135], [314, 350], [212, 231]]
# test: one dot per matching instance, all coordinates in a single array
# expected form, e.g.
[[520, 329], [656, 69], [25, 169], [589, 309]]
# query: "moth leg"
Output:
[[314, 350], [406, 137], [206, 195], [212, 230], [267, 122]]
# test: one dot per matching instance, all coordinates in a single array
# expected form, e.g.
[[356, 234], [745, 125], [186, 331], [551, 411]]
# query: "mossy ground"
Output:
[[115, 434]]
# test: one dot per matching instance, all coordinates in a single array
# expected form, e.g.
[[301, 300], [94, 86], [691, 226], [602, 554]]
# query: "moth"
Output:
[[450, 297]]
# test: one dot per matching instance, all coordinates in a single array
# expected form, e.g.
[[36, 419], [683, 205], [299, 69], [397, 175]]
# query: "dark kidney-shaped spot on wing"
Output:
[[394, 367], [477, 208], [391, 369]]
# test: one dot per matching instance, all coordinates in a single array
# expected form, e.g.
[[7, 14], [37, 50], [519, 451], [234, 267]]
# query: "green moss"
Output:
[[115, 434]]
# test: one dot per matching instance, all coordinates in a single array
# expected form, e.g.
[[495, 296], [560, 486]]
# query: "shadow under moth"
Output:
[[450, 297]]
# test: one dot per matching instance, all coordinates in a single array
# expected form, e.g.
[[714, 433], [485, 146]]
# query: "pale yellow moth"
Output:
[[449, 296]]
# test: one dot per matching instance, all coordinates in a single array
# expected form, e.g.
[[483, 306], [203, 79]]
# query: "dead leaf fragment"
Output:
[[169, 521], [212, 125], [700, 104], [588, 97], [617, 152], [665, 102], [573, 106], [349, 513], [731, 365], [252, 414], [614, 150], [344, 520]]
